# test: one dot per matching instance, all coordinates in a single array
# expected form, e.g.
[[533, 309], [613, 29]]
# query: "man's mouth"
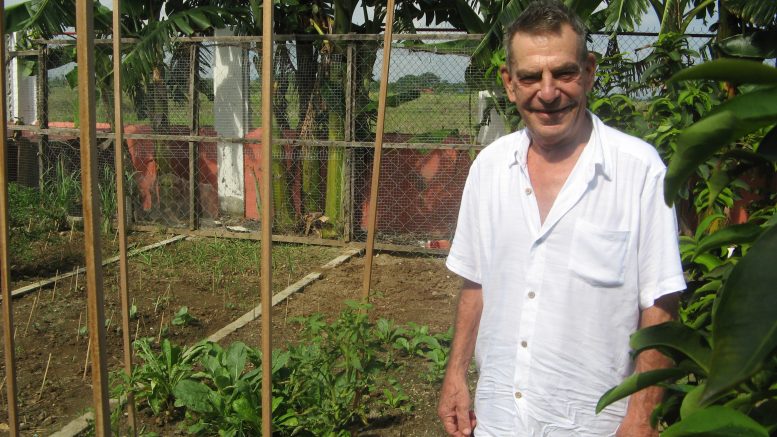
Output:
[[553, 111]]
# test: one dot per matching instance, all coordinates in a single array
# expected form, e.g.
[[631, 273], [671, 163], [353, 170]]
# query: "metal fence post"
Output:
[[43, 112], [348, 153], [194, 127]]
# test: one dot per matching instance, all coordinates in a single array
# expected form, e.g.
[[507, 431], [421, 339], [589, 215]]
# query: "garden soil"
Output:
[[404, 289]]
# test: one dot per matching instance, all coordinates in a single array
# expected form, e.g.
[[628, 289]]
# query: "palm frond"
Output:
[[492, 40], [625, 14], [757, 12]]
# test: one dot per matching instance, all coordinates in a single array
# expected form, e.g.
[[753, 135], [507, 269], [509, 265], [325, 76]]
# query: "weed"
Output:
[[62, 192], [108, 204]]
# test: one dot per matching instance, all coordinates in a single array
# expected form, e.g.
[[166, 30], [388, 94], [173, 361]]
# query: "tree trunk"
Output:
[[309, 127], [335, 132]]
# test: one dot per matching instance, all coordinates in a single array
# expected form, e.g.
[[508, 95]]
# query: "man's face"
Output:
[[548, 83]]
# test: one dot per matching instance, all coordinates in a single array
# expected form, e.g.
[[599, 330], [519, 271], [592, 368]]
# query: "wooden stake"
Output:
[[121, 219], [91, 211], [373, 210], [266, 269], [9, 331], [159, 334], [45, 374], [86, 359], [78, 330], [32, 311], [137, 328], [54, 291]]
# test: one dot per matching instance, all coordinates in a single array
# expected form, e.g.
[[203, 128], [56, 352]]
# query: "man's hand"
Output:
[[454, 407], [641, 404]]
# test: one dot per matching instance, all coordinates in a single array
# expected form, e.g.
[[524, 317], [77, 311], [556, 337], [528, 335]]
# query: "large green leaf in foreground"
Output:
[[673, 335], [716, 421], [637, 382], [730, 70], [744, 327]]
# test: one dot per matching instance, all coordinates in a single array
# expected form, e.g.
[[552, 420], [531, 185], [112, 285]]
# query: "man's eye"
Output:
[[528, 80], [567, 75]]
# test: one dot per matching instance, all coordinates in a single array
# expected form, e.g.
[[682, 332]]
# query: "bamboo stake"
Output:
[[45, 374], [54, 291], [137, 328], [91, 206], [266, 269], [159, 334], [78, 330], [32, 311], [121, 219], [373, 211], [86, 357], [9, 333]]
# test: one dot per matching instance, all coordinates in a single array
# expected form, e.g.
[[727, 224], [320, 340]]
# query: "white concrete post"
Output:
[[230, 87], [496, 126], [21, 88]]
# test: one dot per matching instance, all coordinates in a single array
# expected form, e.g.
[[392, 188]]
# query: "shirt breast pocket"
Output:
[[598, 255]]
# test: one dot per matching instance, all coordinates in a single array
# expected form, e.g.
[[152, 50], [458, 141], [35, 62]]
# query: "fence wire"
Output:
[[202, 111]]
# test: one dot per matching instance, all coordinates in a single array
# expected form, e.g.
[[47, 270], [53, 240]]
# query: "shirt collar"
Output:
[[597, 159]]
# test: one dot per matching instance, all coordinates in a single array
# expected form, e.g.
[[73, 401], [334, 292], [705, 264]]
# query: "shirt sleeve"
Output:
[[660, 268], [464, 256]]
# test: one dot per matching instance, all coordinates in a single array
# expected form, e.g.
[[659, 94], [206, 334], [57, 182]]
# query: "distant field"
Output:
[[430, 114]]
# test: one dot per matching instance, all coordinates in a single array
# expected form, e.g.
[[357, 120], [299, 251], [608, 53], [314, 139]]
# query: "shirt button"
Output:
[[524, 344], [527, 191], [518, 395], [532, 295]]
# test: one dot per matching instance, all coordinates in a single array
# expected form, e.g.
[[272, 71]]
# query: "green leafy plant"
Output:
[[224, 397], [328, 382], [184, 318], [154, 379], [724, 381]]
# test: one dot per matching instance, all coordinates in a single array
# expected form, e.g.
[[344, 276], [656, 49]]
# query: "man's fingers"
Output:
[[449, 423], [462, 417]]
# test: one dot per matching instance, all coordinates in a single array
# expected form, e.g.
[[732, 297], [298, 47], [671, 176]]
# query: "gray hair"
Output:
[[545, 16]]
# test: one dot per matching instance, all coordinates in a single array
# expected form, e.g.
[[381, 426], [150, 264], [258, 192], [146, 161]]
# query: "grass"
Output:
[[429, 113]]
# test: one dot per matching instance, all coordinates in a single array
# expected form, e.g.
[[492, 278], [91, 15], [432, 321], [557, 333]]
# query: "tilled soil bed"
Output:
[[217, 280]]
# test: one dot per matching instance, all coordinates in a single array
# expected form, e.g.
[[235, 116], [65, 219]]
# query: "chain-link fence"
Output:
[[192, 132]]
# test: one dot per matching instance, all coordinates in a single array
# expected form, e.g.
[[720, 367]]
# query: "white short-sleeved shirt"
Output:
[[561, 298]]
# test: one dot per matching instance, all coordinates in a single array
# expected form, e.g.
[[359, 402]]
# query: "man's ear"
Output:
[[507, 81], [590, 71]]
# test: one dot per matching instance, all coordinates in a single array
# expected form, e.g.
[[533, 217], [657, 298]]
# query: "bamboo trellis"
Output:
[[91, 213]]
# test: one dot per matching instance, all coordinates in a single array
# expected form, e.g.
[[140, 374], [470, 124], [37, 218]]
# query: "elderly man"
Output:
[[566, 248]]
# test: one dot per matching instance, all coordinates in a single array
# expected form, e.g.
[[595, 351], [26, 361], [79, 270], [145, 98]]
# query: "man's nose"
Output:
[[548, 89]]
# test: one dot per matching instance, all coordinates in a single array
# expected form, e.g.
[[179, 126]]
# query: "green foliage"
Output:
[[223, 398], [63, 192], [154, 379], [108, 203], [329, 382], [184, 318], [725, 373]]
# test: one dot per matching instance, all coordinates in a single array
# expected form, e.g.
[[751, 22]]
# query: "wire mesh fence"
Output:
[[192, 133]]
